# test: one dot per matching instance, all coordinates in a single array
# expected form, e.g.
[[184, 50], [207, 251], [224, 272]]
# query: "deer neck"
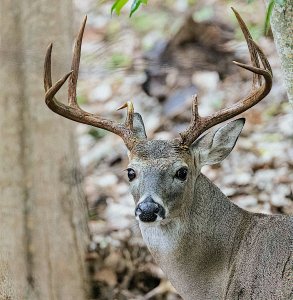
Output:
[[195, 249]]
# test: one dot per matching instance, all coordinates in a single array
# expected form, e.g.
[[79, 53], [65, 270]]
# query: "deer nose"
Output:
[[148, 210]]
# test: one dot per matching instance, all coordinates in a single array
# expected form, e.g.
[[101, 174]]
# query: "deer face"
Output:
[[162, 174]]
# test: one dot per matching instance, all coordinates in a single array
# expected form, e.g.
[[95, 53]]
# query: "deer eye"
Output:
[[131, 174], [181, 174]]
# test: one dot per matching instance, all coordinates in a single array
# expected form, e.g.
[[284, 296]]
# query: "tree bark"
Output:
[[282, 27], [43, 231]]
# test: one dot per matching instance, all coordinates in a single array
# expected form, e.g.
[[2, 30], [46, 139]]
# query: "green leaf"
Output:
[[268, 16], [135, 5], [118, 5]]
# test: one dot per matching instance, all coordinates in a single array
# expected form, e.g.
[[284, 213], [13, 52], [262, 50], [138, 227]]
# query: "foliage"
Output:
[[119, 4], [268, 16], [269, 13]]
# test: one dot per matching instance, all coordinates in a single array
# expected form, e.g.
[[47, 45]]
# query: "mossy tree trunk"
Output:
[[43, 231], [282, 27]]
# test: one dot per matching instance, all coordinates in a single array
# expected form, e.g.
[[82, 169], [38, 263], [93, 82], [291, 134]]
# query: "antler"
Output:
[[72, 111], [199, 124]]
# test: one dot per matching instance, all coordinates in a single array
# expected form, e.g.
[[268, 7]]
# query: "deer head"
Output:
[[163, 172]]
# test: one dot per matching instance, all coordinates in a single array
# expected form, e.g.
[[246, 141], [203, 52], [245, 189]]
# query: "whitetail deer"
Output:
[[208, 247]]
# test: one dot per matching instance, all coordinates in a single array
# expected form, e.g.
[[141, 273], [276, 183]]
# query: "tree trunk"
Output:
[[282, 27], [43, 231]]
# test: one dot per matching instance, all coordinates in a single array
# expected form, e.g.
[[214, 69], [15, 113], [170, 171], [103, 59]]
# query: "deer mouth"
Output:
[[149, 211]]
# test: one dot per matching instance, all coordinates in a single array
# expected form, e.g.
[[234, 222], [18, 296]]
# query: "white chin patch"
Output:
[[159, 219]]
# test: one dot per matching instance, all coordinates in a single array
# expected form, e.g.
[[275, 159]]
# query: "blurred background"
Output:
[[161, 56]]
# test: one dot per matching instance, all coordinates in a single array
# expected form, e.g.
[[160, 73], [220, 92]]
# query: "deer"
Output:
[[208, 247]]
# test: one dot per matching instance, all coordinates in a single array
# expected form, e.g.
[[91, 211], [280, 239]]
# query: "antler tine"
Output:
[[253, 54], [50, 100], [199, 124], [130, 113], [47, 68], [75, 66], [72, 111]]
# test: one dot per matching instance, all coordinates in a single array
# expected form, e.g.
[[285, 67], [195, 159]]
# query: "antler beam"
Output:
[[199, 124]]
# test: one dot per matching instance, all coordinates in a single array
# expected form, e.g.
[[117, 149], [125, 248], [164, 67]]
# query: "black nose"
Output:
[[148, 210]]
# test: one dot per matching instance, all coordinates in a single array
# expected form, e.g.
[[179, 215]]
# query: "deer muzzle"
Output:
[[149, 211]]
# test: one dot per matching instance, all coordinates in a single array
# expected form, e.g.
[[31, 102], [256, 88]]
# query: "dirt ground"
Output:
[[159, 58]]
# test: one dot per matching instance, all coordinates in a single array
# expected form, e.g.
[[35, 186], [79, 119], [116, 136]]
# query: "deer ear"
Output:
[[217, 145], [138, 127]]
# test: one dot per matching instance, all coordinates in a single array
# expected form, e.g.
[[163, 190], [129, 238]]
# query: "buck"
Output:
[[208, 247]]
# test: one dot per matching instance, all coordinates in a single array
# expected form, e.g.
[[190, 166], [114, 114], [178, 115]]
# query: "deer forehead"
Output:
[[157, 167], [160, 150]]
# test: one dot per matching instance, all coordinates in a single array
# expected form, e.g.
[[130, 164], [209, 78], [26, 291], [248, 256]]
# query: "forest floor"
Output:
[[159, 58]]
